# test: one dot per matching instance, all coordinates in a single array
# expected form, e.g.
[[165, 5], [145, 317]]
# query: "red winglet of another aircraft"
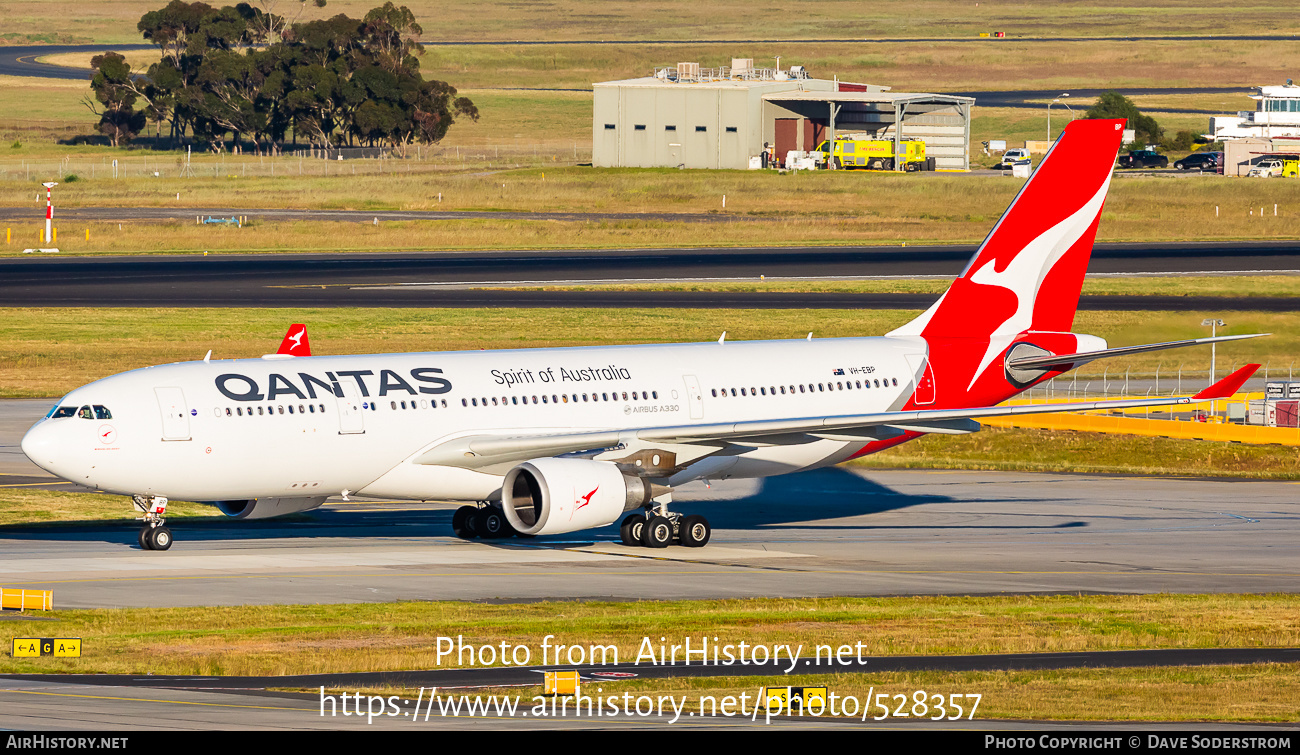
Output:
[[295, 342], [1228, 386]]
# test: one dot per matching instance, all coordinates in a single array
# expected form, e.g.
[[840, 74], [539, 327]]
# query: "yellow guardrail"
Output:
[[24, 600], [1099, 422]]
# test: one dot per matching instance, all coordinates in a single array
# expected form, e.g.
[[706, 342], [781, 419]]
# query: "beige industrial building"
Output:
[[686, 116], [1240, 155]]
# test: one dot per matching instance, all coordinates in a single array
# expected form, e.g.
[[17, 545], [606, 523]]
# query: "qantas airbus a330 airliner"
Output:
[[549, 441]]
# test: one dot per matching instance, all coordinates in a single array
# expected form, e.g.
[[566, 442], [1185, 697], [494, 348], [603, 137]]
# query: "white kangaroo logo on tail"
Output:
[[1027, 270]]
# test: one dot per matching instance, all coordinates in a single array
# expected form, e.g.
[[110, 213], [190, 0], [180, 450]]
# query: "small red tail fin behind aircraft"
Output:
[[1026, 276], [295, 342]]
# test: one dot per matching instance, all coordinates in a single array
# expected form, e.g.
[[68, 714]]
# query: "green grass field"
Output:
[[821, 208], [29, 507], [47, 352], [296, 639], [289, 639]]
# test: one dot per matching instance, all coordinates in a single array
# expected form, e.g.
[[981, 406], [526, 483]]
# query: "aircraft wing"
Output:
[[482, 451]]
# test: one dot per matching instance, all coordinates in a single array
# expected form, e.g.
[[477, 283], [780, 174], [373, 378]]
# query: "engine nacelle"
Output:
[[553, 496], [265, 508]]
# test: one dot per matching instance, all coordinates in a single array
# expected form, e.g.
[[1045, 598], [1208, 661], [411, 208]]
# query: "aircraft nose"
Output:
[[41, 446]]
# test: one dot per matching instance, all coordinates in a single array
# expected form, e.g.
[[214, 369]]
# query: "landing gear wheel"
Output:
[[462, 523], [657, 532], [695, 531], [143, 538], [490, 522], [631, 528], [160, 539]]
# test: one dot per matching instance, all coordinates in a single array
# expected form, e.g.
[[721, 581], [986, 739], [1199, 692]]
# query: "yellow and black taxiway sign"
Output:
[[62, 647], [788, 699]]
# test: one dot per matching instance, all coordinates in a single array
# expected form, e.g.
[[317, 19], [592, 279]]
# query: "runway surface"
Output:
[[450, 279]]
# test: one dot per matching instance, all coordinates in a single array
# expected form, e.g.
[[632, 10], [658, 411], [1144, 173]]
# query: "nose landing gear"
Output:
[[154, 535]]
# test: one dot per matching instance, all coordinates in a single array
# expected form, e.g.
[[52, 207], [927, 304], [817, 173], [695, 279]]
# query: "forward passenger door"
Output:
[[175, 413], [352, 421]]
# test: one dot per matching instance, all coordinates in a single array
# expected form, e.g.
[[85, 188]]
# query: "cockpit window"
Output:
[[59, 412], [84, 413], [102, 412]]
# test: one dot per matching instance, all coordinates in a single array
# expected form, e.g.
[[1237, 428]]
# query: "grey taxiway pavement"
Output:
[[838, 531], [841, 531]]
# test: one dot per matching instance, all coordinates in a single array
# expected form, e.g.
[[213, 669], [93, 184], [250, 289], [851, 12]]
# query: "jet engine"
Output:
[[265, 508], [552, 496]]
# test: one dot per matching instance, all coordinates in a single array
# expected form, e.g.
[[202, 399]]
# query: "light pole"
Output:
[[49, 212], [1049, 112], [1214, 324]]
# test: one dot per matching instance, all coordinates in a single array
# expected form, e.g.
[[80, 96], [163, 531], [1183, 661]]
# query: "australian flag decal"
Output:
[[839, 371]]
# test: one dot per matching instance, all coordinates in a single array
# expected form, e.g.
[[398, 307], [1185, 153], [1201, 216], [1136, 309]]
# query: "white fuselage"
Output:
[[319, 426]]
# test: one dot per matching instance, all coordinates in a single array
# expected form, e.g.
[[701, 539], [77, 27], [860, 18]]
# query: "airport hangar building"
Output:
[[686, 116]]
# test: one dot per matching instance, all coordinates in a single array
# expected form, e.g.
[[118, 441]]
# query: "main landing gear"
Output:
[[487, 521], [154, 535], [661, 528]]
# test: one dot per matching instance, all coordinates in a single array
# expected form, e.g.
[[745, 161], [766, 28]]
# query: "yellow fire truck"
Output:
[[875, 154]]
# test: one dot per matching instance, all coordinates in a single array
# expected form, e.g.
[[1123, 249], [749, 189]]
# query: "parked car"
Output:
[[1013, 157], [1143, 158], [1273, 167], [1204, 161]]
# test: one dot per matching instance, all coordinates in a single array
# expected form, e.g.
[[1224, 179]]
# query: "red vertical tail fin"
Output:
[[295, 342], [1027, 274]]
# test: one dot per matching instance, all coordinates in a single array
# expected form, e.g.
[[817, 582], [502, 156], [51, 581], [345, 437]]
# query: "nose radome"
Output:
[[41, 446]]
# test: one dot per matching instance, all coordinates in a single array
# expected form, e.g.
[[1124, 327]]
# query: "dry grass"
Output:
[[910, 66], [296, 639], [115, 20], [47, 352], [907, 66]]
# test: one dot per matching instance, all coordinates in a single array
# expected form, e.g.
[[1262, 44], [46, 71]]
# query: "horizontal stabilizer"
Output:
[[1228, 386], [1069, 361]]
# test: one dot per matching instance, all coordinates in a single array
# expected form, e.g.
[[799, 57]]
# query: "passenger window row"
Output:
[[561, 398], [839, 385], [247, 411], [433, 404]]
